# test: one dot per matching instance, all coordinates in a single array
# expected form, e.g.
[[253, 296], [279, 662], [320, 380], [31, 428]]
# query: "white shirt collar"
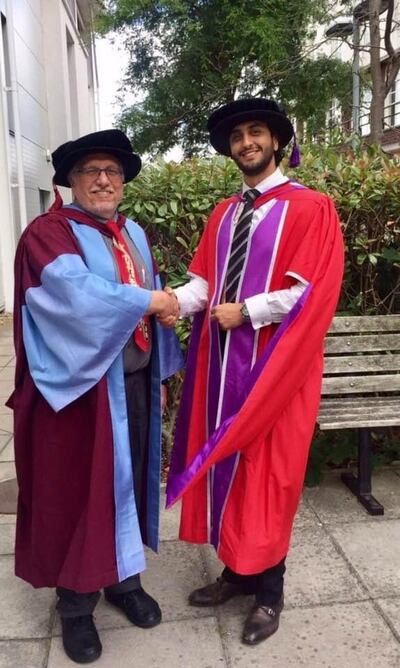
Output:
[[269, 182]]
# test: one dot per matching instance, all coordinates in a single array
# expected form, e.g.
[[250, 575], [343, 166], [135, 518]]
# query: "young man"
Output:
[[90, 361], [265, 283]]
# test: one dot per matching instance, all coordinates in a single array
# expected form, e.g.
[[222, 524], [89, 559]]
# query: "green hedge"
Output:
[[172, 202]]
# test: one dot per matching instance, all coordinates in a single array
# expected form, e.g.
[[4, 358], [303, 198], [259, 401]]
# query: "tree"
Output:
[[189, 56], [380, 73], [384, 77], [309, 101]]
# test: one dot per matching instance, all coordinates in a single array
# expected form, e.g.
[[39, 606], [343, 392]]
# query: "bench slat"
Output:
[[353, 366], [359, 412], [368, 343], [355, 363], [358, 423], [343, 411], [357, 384], [345, 416], [368, 402], [375, 323]]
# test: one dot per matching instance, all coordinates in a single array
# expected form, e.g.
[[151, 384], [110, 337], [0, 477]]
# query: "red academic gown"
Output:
[[268, 432]]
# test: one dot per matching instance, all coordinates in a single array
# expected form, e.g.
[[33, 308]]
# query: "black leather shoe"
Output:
[[140, 608], [261, 623], [217, 593], [80, 639]]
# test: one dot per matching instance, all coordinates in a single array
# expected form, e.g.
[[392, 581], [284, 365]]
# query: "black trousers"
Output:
[[267, 585], [74, 604]]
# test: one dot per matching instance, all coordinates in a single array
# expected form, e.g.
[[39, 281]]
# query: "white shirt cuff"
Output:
[[268, 307], [193, 296]]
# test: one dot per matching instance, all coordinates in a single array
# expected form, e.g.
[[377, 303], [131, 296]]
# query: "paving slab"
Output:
[[7, 452], [305, 516], [5, 359], [6, 332], [7, 373], [4, 439], [334, 503], [169, 519], [7, 471], [8, 496], [7, 354], [12, 361], [6, 518], [7, 539], [391, 611], [348, 635], [194, 643], [374, 551], [316, 573], [4, 410], [25, 612], [6, 388], [6, 423], [172, 575], [23, 653], [213, 565]]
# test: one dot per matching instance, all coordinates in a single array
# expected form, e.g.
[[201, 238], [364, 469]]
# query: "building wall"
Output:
[[47, 98], [338, 48]]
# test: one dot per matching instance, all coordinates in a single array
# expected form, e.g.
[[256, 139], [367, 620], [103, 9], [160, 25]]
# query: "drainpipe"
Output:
[[93, 57], [13, 91], [356, 76], [7, 228]]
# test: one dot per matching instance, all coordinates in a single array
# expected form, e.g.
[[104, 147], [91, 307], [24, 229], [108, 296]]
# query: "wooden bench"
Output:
[[361, 388]]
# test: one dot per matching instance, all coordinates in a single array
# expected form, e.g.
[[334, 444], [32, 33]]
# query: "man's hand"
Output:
[[163, 305], [228, 316], [169, 320]]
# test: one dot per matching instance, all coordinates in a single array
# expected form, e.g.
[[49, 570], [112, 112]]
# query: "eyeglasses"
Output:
[[94, 172]]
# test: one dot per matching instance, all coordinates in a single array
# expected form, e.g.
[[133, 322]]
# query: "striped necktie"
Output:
[[239, 245]]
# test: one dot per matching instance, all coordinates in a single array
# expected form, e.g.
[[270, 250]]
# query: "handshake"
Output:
[[164, 305]]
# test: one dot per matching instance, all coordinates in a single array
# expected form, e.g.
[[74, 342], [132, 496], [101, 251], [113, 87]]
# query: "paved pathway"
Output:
[[342, 589]]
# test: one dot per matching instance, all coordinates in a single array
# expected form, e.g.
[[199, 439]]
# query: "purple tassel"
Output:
[[294, 160]]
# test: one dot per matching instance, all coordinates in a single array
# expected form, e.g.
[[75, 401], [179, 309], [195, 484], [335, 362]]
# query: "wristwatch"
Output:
[[245, 313]]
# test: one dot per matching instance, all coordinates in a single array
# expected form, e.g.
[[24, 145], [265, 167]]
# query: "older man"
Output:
[[90, 361], [265, 282]]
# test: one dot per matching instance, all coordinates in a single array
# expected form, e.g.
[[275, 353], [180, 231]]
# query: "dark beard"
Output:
[[259, 167]]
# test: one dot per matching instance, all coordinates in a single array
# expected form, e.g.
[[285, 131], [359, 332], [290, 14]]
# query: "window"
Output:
[[44, 197], [365, 110], [334, 119], [71, 6], [78, 13], [391, 114], [80, 25]]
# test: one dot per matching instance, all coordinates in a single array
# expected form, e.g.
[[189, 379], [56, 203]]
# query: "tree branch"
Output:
[[388, 29]]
